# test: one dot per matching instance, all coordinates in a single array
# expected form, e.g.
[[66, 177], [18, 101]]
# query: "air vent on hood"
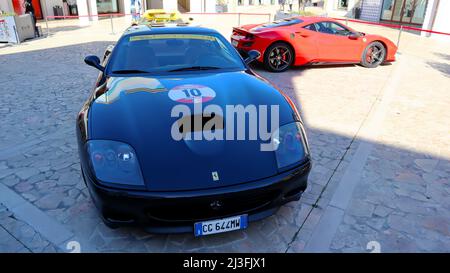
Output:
[[189, 124]]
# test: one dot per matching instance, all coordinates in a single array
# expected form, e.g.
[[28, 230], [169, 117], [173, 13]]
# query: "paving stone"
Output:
[[30, 197], [361, 208], [68, 201], [437, 223], [68, 178], [349, 220], [25, 173], [9, 244], [355, 249], [409, 177], [36, 178], [426, 165], [50, 201], [297, 246], [10, 181], [409, 205], [269, 226], [45, 186], [382, 211], [3, 165], [50, 249], [376, 223], [6, 172], [97, 241], [23, 187], [401, 224]]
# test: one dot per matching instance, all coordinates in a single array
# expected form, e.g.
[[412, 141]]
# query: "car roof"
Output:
[[167, 28], [313, 19]]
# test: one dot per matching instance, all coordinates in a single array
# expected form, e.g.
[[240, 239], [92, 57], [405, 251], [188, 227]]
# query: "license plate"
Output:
[[221, 225], [234, 42]]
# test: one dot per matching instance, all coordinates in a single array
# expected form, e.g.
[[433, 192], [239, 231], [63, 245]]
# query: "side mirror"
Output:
[[354, 36], [94, 61], [252, 55]]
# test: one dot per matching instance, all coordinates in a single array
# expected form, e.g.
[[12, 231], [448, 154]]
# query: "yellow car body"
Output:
[[161, 16]]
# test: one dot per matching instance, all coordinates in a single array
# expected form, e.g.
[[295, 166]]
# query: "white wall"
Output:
[[442, 21], [82, 7], [47, 6], [163, 4], [203, 6]]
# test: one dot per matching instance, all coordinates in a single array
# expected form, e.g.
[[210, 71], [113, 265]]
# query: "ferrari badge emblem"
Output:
[[215, 176]]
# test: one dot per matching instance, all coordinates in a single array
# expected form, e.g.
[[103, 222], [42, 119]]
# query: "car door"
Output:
[[305, 44], [336, 44]]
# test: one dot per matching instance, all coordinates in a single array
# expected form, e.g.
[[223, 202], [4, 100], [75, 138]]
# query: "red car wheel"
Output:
[[373, 55], [278, 57]]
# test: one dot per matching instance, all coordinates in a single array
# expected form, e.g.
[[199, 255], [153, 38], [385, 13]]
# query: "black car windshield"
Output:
[[155, 53]]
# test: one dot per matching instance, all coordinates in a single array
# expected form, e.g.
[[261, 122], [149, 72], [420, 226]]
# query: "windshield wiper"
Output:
[[129, 71], [190, 68]]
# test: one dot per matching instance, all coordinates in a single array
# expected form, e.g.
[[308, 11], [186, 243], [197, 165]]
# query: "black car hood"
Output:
[[137, 111]]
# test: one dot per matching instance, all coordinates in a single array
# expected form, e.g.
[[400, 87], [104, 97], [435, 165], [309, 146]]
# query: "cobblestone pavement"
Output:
[[380, 133]]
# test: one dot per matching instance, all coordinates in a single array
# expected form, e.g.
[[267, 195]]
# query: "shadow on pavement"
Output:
[[444, 68]]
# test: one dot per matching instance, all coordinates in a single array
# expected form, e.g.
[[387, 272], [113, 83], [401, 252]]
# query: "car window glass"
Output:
[[310, 27], [332, 28], [165, 52]]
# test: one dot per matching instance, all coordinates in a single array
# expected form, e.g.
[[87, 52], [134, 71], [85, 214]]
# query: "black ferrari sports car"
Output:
[[173, 136]]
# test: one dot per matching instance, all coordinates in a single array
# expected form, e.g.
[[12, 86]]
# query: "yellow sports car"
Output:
[[161, 16]]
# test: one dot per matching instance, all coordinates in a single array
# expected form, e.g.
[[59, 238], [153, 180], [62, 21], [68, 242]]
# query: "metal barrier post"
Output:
[[46, 25], [270, 17], [239, 19], [112, 25], [399, 34], [346, 21]]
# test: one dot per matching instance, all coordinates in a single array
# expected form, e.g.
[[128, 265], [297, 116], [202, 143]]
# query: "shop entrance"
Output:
[[404, 11]]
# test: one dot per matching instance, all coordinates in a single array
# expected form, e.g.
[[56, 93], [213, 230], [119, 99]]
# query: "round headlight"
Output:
[[289, 145], [114, 162]]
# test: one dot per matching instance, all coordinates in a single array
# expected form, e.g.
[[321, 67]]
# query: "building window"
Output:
[[107, 6], [404, 11], [342, 4]]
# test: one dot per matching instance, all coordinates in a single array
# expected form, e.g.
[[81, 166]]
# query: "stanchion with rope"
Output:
[[46, 25], [112, 24], [399, 35]]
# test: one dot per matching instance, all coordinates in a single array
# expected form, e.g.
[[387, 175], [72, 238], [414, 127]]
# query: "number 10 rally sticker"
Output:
[[191, 93]]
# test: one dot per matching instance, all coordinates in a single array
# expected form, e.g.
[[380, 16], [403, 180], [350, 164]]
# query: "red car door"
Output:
[[305, 44], [335, 43]]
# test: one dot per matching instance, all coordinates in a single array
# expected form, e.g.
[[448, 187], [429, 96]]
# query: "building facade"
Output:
[[92, 7], [426, 14]]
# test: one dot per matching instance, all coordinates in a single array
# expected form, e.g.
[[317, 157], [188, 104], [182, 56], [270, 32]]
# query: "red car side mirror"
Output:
[[354, 36]]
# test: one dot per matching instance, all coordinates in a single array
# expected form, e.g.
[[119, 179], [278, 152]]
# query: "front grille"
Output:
[[201, 209]]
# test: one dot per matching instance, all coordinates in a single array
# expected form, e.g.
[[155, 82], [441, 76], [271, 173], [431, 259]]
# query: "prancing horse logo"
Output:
[[215, 176], [216, 205]]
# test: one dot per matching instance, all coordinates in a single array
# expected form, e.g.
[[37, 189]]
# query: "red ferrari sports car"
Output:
[[311, 40]]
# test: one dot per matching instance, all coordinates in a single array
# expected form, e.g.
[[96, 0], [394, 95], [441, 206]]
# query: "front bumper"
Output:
[[176, 212]]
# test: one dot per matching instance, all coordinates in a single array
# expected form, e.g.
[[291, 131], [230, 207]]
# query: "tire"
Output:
[[278, 57], [373, 55]]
